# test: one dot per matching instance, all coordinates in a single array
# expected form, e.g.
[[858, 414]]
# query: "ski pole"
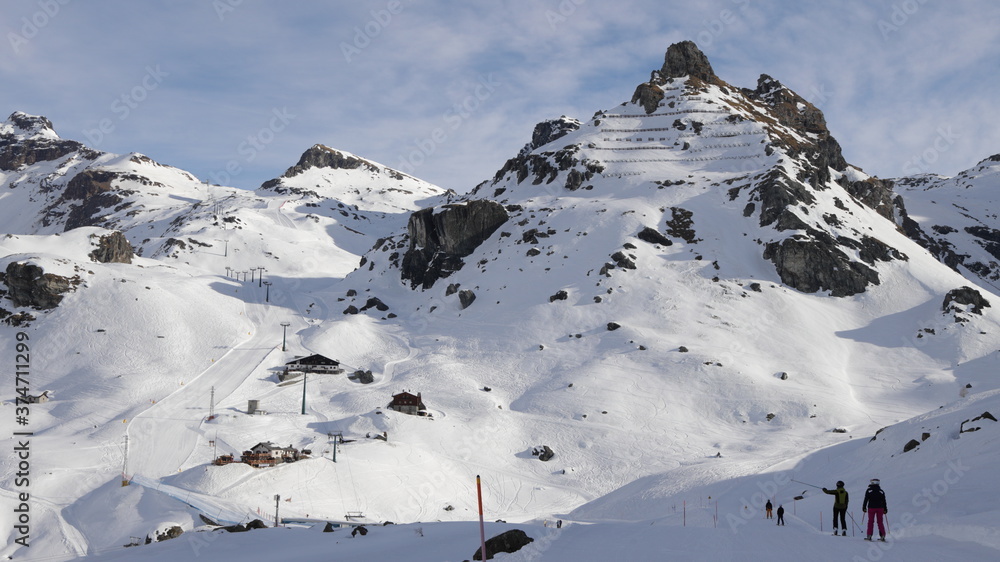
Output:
[[854, 522], [807, 484]]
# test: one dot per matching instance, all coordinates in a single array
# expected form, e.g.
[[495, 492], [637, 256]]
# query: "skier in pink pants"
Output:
[[875, 506]]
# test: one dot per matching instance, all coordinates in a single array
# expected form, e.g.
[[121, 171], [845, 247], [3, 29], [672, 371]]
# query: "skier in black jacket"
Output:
[[875, 506]]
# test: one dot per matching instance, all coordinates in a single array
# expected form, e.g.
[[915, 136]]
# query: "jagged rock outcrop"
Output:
[[822, 151], [29, 285], [41, 143], [686, 59], [440, 237], [653, 236], [466, 298], [93, 189], [550, 130], [648, 95], [966, 297], [811, 264], [113, 248]]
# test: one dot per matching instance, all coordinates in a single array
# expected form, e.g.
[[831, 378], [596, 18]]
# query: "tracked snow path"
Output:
[[154, 453]]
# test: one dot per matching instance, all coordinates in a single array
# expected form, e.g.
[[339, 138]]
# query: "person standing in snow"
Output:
[[840, 499], [875, 506], [768, 507], [781, 515]]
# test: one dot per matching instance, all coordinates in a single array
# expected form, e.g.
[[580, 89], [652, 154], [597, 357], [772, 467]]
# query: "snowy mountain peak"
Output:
[[324, 172], [28, 126]]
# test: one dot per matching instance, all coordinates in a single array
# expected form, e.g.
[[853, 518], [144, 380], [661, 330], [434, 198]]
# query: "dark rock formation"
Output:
[[681, 225], [612, 326], [976, 427], [509, 541], [686, 59], [648, 96], [815, 263], [29, 285], [966, 296], [910, 445], [113, 248], [544, 453], [256, 524], [16, 151], [548, 131], [623, 261], [376, 303], [653, 236], [559, 296], [466, 298], [441, 237], [545, 167], [795, 112], [93, 190]]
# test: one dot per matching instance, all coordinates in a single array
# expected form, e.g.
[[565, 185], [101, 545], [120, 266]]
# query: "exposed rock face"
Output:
[[94, 191], [113, 248], [810, 265], [40, 146], [545, 167], [649, 96], [29, 285], [441, 237], [966, 296], [795, 112], [653, 236], [466, 298], [548, 131], [686, 59], [509, 541]]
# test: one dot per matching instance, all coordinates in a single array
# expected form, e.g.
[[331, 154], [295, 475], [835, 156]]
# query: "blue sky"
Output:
[[235, 90]]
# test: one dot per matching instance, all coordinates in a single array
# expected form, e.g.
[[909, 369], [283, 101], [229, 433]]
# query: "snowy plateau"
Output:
[[688, 304]]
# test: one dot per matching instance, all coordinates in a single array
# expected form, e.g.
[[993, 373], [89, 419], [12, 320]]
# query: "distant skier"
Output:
[[875, 506], [840, 506], [768, 507], [781, 515]]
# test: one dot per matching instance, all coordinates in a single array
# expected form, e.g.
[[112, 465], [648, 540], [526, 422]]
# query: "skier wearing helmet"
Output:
[[875, 506], [840, 500]]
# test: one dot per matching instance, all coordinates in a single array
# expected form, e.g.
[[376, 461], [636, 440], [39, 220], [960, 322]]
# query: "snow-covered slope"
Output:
[[684, 296], [956, 218]]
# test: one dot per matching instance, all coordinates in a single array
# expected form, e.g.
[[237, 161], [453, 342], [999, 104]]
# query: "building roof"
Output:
[[314, 359], [406, 399]]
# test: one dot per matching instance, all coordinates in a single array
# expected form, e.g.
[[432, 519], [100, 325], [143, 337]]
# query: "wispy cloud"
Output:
[[883, 97]]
